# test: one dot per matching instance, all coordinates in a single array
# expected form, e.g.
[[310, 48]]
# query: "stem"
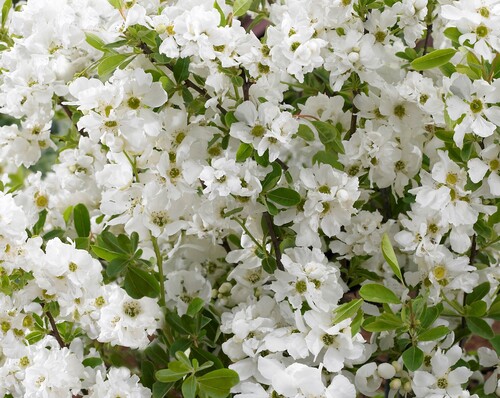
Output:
[[242, 225], [276, 243], [473, 250], [159, 262], [456, 307], [354, 117], [427, 38], [68, 113], [55, 332]]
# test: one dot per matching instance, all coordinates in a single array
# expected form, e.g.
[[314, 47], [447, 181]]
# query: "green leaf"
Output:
[[222, 21], [430, 315], [495, 342], [477, 309], [328, 157], [38, 227], [284, 197], [157, 354], [189, 387], [176, 323], [95, 41], [453, 34], [81, 218], [195, 306], [160, 389], [269, 264], [116, 266], [109, 63], [35, 336], [116, 3], [205, 356], [168, 375], [139, 283], [434, 334], [383, 323], [413, 358], [390, 257], [272, 178], [347, 310], [106, 254], [478, 293], [218, 383], [7, 6], [480, 327], [244, 152], [241, 7], [433, 59], [376, 293], [82, 243], [329, 135], [92, 362], [305, 132], [181, 69]]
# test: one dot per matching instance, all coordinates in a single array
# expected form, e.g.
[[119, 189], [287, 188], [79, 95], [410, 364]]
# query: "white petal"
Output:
[[493, 114], [494, 182], [477, 169], [341, 387], [459, 375], [482, 127]]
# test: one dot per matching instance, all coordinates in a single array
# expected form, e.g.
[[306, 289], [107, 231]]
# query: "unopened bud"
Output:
[[386, 371], [395, 384]]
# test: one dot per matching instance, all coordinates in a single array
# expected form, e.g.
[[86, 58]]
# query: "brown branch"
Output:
[[274, 239], [428, 38], [55, 332], [354, 117], [68, 113]]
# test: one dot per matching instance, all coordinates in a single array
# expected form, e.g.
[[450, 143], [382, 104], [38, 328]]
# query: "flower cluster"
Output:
[[260, 198]]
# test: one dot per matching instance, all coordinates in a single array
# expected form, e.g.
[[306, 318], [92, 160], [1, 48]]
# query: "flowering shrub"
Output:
[[291, 198]]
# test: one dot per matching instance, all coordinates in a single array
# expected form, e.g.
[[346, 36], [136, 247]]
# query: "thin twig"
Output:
[[427, 38], [55, 332], [282, 164], [354, 117], [274, 239]]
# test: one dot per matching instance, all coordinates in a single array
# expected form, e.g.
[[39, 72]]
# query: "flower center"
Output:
[[476, 106]]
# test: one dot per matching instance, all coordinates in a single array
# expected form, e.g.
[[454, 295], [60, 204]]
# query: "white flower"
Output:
[[307, 277], [183, 286], [472, 104], [119, 382], [126, 321], [335, 341], [443, 380]]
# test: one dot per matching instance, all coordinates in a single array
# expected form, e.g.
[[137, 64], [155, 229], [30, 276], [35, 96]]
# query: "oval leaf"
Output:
[[478, 293], [139, 283], [240, 7], [480, 327], [347, 310], [108, 64], [390, 257], [81, 218], [413, 358], [433, 59], [378, 294], [434, 334], [284, 197], [218, 383], [189, 387], [168, 375]]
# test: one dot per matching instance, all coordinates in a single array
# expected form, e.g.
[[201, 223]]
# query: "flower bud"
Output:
[[395, 384], [386, 371]]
